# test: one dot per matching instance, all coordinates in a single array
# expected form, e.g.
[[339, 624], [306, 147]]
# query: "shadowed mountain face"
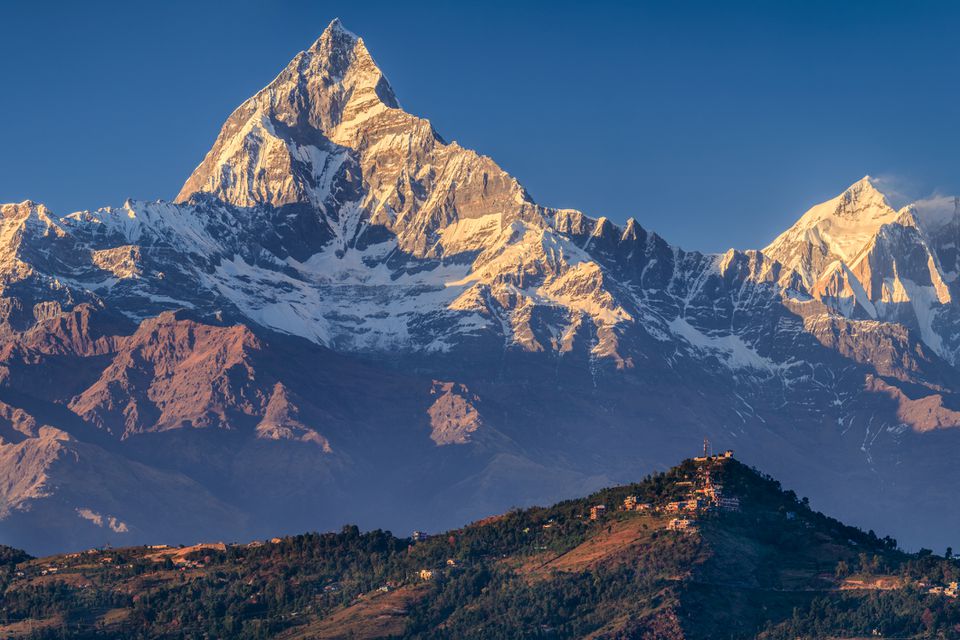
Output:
[[343, 317]]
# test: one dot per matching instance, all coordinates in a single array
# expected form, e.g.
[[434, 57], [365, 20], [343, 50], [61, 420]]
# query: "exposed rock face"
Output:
[[337, 292], [281, 421], [453, 416], [170, 372], [924, 413]]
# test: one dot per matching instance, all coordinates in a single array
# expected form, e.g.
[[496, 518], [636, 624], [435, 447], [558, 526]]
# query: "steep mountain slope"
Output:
[[345, 317], [864, 259], [742, 559]]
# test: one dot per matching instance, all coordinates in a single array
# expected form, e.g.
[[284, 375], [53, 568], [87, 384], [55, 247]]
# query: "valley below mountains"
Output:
[[344, 317]]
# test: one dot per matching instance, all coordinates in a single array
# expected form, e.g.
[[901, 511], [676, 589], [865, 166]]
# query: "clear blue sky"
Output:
[[713, 123]]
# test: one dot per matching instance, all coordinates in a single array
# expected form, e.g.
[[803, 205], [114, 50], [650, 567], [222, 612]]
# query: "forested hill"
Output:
[[709, 549]]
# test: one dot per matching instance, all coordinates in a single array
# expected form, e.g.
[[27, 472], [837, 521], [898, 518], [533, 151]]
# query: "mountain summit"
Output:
[[865, 259], [838, 229], [345, 317], [283, 145]]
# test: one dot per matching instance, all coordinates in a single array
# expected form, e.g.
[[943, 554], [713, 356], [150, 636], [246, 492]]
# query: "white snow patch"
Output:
[[110, 522], [730, 349]]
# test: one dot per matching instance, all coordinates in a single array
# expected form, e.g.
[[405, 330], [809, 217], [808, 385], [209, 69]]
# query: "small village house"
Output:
[[680, 524]]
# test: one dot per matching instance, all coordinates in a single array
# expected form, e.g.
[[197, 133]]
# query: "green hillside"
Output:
[[740, 558]]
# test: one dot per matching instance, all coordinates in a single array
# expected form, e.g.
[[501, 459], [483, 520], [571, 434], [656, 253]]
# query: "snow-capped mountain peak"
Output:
[[863, 258], [288, 143], [338, 51], [336, 30], [329, 223], [837, 229]]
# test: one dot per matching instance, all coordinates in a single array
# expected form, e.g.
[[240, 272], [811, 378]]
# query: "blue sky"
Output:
[[714, 124]]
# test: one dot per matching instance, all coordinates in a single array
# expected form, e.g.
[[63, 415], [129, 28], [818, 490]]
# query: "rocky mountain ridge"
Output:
[[343, 308]]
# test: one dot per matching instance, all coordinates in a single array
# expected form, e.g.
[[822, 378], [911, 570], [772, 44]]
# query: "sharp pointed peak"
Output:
[[336, 36], [839, 227], [865, 192], [331, 90], [867, 183], [339, 50], [337, 25]]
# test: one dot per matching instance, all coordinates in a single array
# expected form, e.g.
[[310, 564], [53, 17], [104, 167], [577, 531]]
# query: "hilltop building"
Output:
[[705, 494], [681, 524]]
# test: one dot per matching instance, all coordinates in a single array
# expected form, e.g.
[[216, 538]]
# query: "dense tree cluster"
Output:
[[907, 613]]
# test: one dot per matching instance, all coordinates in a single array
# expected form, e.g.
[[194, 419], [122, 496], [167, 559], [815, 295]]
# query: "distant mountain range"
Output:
[[345, 318], [709, 549]]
